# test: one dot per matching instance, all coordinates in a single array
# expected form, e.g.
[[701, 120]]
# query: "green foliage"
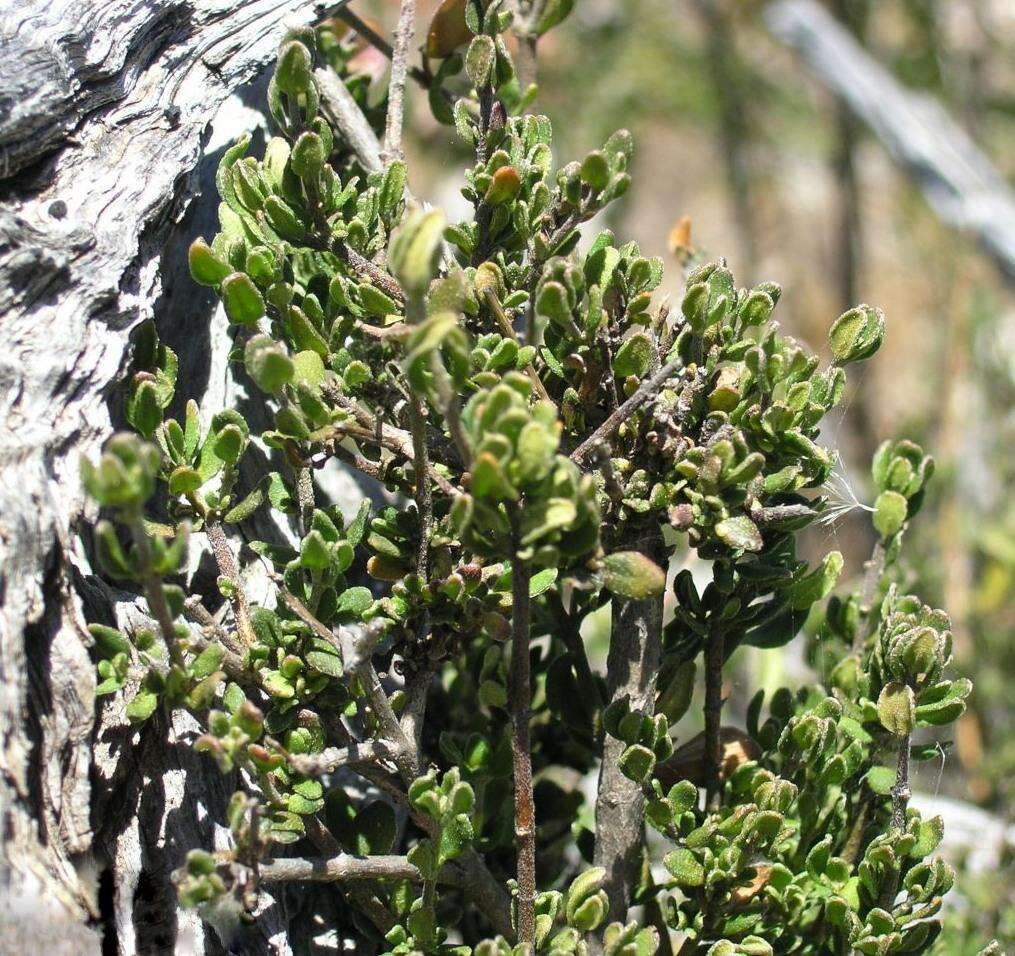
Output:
[[475, 370]]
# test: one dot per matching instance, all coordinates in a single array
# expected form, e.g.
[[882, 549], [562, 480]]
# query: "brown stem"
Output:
[[521, 700], [715, 651], [403, 752], [900, 800], [345, 866], [394, 439], [901, 792], [305, 496], [155, 593], [226, 562], [527, 16], [641, 395], [361, 265], [504, 324], [854, 842]]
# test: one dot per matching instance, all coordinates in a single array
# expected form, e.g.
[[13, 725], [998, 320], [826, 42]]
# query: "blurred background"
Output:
[[746, 149]]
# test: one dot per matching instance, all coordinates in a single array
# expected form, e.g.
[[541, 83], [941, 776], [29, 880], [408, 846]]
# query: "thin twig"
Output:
[[421, 467], [346, 867], [900, 801], [394, 439], [527, 16], [226, 562], [873, 571], [901, 792], [156, 594], [337, 868], [493, 304], [404, 33], [361, 265], [715, 650], [305, 496], [642, 394], [378, 42], [521, 702]]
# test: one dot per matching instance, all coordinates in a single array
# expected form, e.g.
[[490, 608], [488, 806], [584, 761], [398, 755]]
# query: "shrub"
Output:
[[550, 435]]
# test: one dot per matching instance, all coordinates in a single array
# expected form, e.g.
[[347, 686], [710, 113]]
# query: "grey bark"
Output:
[[106, 109], [632, 667], [957, 179]]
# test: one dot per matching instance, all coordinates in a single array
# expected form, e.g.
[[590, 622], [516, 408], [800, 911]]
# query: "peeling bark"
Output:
[[106, 111]]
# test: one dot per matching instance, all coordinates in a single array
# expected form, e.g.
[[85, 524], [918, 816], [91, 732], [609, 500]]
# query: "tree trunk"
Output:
[[105, 112]]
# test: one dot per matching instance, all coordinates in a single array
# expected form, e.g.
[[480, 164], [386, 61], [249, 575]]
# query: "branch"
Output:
[[370, 270], [527, 16], [339, 868], [344, 112], [901, 792], [358, 659], [642, 394], [632, 668], [521, 701], [715, 650], [493, 303], [227, 568], [873, 572], [394, 439], [378, 42], [421, 467], [333, 758], [404, 33], [156, 594]]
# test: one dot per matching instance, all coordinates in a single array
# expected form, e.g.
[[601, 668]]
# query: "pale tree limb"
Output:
[[343, 111], [339, 868]]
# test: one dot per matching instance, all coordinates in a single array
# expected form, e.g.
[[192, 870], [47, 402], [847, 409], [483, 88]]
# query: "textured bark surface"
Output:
[[106, 135], [632, 667], [957, 179]]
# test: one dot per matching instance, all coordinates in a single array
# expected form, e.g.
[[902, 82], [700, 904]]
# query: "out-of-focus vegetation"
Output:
[[733, 133]]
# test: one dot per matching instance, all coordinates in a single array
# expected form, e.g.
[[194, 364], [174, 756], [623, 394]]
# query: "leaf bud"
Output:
[[857, 334]]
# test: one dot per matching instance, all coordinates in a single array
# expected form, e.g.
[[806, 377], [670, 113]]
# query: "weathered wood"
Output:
[[104, 119], [957, 179]]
